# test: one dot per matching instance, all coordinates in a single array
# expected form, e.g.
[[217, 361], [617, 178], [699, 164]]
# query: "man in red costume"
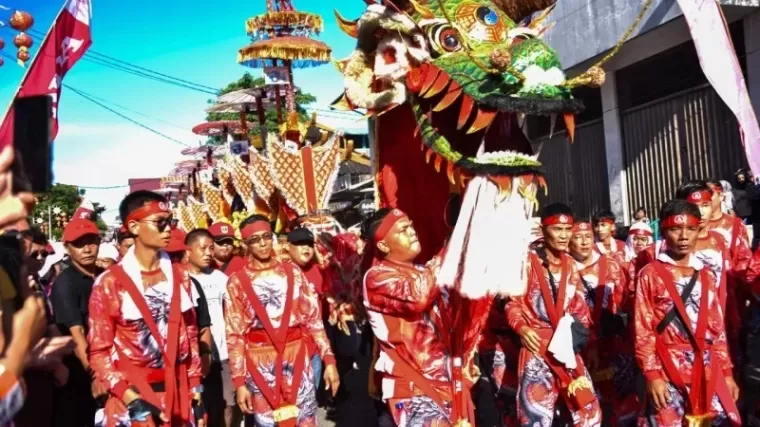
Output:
[[733, 231], [606, 243], [271, 314], [143, 337], [609, 358], [552, 319], [224, 245], [410, 322], [680, 334]]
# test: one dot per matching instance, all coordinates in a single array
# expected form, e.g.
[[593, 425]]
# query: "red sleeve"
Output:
[[717, 327], [311, 315], [577, 306], [741, 254], [104, 308], [644, 325], [194, 371], [237, 324], [752, 278], [392, 292]]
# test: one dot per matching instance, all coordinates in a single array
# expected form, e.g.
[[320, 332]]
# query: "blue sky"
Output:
[[193, 40]]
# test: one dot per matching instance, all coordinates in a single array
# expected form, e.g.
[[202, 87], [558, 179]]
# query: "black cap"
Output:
[[301, 236]]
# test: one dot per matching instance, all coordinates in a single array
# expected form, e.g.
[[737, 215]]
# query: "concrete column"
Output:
[[613, 147], [752, 48]]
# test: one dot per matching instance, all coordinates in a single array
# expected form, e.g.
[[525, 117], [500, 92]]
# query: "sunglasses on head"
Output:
[[161, 224], [258, 239]]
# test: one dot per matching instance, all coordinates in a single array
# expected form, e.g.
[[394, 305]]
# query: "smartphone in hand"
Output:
[[32, 167]]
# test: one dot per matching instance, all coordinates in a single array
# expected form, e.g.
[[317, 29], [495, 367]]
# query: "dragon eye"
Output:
[[444, 38], [487, 16]]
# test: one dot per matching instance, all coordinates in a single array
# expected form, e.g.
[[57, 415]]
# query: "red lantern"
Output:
[[2, 43], [23, 56], [1, 62], [22, 40], [21, 21]]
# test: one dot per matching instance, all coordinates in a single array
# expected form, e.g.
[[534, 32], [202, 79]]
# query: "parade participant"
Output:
[[143, 338], [269, 310], [604, 230], [680, 334], [178, 254], [218, 393], [710, 247], [609, 358], [410, 322], [733, 231], [301, 251], [75, 402], [108, 255], [499, 350], [551, 320], [224, 247], [124, 241], [639, 237]]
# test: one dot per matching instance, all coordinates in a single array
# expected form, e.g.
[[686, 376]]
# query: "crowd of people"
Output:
[[163, 327]]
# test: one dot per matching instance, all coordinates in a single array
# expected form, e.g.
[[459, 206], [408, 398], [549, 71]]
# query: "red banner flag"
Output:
[[65, 43]]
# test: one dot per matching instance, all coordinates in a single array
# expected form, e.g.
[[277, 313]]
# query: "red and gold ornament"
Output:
[[22, 21]]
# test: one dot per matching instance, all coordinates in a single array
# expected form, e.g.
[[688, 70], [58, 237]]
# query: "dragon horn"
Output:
[[351, 28]]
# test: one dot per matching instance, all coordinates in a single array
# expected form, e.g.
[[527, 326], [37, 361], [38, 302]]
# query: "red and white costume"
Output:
[[143, 334], [542, 378], [695, 369], [409, 319], [614, 376], [272, 315]]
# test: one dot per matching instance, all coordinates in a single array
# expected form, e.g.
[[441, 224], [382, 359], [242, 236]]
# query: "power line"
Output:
[[121, 65], [133, 121]]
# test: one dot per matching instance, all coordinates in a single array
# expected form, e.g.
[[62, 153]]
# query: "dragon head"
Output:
[[470, 74]]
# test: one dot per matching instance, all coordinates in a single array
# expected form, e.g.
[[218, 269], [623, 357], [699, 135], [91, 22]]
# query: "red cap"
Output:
[[221, 230], [176, 241], [78, 228]]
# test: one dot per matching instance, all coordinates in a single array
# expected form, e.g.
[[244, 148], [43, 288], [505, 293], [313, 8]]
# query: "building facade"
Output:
[[656, 121]]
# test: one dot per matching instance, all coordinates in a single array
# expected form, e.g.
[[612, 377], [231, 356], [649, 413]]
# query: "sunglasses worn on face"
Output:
[[161, 224], [224, 242], [258, 239], [39, 254]]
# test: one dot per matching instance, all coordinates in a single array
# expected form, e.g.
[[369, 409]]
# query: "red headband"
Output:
[[387, 223], [581, 226], [641, 232], [146, 210], [253, 228], [606, 221], [557, 219], [680, 220], [700, 196]]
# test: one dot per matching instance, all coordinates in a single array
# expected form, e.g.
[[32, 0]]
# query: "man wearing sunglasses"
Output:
[[143, 311], [271, 315], [224, 258]]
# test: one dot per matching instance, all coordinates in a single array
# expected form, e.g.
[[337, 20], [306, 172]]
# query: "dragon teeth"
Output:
[[554, 123]]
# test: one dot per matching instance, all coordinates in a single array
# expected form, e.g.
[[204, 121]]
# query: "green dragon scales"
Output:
[[471, 75]]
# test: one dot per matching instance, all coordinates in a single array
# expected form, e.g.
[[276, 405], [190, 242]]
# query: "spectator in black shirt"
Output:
[[76, 403]]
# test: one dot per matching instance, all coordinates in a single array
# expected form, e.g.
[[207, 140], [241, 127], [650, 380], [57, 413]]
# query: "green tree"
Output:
[[67, 199], [250, 82]]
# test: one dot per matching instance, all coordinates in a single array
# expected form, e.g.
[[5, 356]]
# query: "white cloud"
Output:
[[109, 155]]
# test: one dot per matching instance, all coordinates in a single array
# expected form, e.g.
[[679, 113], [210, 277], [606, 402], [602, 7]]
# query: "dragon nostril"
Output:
[[501, 59]]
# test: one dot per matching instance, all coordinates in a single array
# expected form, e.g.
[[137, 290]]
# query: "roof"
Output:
[[351, 167]]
